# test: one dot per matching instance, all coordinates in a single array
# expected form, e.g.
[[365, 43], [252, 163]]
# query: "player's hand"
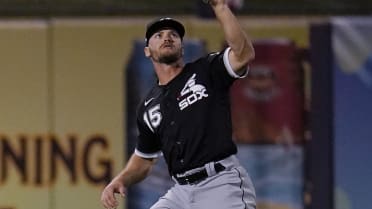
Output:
[[108, 198], [215, 2]]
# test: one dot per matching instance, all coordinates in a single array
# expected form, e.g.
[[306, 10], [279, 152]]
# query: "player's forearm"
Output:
[[236, 38], [130, 177], [136, 170]]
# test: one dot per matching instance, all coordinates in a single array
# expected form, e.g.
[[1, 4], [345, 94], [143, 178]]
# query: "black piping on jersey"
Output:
[[241, 185]]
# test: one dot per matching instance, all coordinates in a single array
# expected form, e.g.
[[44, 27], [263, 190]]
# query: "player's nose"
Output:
[[168, 39], [168, 36]]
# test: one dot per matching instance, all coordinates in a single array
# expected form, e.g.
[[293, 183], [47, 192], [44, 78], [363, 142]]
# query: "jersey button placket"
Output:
[[179, 145]]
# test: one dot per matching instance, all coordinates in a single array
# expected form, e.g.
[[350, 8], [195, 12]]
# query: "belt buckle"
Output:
[[184, 181], [187, 180]]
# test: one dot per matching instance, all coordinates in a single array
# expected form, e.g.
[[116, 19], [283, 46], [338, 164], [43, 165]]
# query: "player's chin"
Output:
[[169, 58]]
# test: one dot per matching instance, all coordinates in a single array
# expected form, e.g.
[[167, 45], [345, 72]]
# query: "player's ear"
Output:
[[147, 51]]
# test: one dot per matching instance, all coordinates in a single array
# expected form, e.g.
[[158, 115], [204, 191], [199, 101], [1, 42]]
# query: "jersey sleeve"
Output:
[[220, 68], [148, 145], [228, 67]]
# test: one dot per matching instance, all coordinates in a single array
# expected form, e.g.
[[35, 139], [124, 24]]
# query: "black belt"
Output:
[[198, 176]]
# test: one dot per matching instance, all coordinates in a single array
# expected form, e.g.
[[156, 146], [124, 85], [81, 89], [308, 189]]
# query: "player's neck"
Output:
[[166, 72]]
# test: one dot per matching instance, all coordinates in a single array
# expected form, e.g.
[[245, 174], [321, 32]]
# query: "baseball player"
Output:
[[186, 119]]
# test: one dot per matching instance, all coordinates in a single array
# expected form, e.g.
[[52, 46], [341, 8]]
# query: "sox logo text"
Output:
[[191, 93]]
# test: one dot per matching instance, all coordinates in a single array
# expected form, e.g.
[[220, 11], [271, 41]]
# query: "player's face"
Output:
[[165, 46]]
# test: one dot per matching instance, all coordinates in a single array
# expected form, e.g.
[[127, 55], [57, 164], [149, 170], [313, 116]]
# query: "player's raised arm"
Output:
[[136, 170], [241, 46]]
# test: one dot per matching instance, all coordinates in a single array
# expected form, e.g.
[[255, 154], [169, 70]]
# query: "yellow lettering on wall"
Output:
[[40, 160]]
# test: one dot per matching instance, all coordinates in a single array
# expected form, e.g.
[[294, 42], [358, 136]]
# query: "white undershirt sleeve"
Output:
[[147, 155], [229, 69]]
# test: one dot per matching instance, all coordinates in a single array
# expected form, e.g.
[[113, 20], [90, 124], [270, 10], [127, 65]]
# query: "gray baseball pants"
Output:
[[231, 188]]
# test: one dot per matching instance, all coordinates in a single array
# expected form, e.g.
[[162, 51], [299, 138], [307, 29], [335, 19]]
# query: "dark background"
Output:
[[150, 7]]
